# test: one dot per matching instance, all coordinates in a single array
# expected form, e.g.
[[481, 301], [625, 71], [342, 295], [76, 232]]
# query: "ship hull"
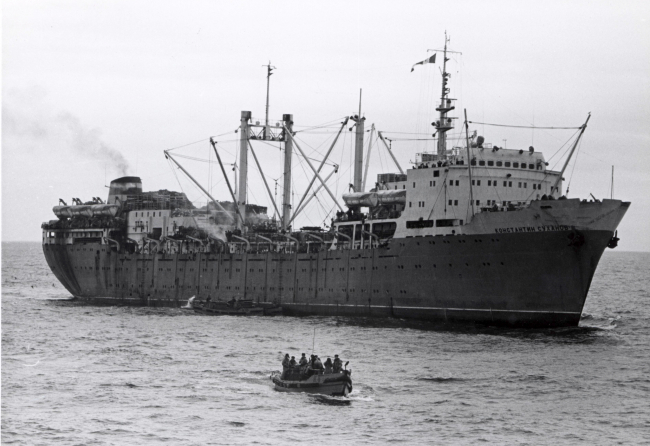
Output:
[[537, 279]]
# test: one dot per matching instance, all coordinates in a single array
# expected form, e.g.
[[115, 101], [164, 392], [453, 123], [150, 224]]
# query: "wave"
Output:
[[440, 379], [330, 400]]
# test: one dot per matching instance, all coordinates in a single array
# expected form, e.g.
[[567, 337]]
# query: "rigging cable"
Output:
[[547, 171], [201, 140], [525, 126]]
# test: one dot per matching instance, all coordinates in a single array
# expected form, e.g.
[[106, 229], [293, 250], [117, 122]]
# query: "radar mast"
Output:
[[444, 123]]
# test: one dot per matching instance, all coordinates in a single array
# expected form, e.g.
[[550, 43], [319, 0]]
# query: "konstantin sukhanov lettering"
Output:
[[472, 232]]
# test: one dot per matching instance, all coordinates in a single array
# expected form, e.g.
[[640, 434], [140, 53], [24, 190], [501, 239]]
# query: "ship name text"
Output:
[[543, 228]]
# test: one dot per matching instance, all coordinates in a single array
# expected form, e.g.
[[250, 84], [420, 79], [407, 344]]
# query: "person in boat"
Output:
[[338, 364], [303, 360], [293, 362], [328, 366], [318, 365], [285, 365]]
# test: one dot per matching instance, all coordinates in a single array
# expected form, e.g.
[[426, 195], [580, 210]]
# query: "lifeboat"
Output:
[[314, 381]]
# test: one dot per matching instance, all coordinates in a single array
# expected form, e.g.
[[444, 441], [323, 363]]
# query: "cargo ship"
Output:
[[469, 233]]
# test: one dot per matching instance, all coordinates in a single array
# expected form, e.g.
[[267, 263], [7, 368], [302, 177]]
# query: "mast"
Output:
[[270, 68], [469, 164], [358, 149], [243, 164], [444, 124], [365, 171], [288, 151]]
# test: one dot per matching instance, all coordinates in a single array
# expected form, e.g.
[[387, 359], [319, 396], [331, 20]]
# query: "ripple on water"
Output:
[[124, 375]]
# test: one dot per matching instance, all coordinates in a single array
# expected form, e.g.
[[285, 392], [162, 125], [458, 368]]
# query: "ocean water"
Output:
[[96, 375]]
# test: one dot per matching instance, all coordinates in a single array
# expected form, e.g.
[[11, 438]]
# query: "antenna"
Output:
[[611, 196], [360, 94], [269, 72], [444, 124]]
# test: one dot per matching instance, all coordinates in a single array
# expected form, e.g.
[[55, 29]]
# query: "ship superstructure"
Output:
[[472, 232]]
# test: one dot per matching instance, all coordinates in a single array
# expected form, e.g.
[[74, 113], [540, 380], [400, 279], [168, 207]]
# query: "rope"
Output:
[[321, 126], [525, 126], [201, 140]]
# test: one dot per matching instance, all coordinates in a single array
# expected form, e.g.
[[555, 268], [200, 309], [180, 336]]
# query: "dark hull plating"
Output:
[[523, 279]]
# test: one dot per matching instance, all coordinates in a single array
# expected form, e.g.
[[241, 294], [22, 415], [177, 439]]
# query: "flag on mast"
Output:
[[431, 59]]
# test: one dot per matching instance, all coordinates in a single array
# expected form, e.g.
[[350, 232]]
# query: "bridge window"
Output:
[[531, 166], [384, 230], [515, 164], [418, 224], [523, 165], [444, 222], [499, 163], [346, 230], [490, 163], [507, 163], [357, 232], [436, 173], [481, 163]]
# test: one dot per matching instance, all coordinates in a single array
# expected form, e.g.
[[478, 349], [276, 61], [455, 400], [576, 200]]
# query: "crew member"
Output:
[[293, 362], [328, 366], [303, 360], [338, 364], [285, 365]]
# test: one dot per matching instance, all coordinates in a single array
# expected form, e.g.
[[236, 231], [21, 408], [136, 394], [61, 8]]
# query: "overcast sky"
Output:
[[95, 90]]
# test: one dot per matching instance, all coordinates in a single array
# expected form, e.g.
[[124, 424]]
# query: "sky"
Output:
[[92, 91]]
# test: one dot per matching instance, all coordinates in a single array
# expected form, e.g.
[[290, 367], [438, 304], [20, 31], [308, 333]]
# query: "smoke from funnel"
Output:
[[28, 124]]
